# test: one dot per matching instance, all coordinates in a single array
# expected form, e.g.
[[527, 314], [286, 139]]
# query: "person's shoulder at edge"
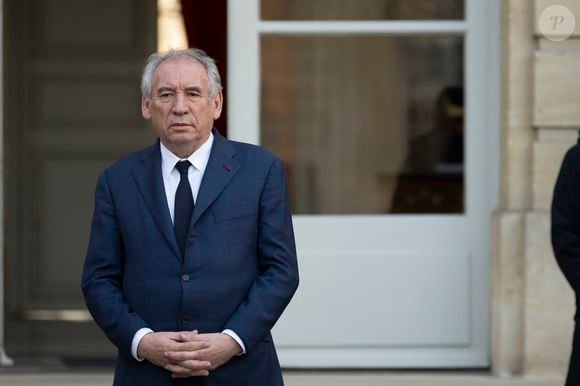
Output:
[[573, 153], [572, 158]]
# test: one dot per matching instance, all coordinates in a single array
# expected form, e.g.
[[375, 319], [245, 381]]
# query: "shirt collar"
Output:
[[198, 159]]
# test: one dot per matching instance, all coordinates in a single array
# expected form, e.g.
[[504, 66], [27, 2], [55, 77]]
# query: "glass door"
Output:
[[377, 109]]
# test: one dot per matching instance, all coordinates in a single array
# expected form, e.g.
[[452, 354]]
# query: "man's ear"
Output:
[[145, 104], [218, 101]]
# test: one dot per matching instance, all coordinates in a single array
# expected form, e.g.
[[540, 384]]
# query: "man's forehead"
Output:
[[180, 73], [180, 66]]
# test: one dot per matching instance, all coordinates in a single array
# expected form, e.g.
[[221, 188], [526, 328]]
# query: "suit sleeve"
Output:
[[565, 227], [278, 280], [102, 279]]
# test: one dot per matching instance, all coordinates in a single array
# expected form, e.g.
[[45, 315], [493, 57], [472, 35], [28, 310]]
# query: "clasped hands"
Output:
[[188, 353]]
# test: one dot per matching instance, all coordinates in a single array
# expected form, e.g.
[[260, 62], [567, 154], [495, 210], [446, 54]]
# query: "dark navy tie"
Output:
[[183, 206]]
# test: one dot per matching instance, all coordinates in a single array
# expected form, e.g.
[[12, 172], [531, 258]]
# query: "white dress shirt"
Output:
[[199, 160]]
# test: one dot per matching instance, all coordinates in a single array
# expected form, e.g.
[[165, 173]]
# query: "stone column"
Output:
[[517, 134]]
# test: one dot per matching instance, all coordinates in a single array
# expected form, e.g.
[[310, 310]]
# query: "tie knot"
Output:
[[183, 167]]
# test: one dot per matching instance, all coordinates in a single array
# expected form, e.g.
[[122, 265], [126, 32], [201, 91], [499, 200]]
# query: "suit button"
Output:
[[185, 319], [185, 277]]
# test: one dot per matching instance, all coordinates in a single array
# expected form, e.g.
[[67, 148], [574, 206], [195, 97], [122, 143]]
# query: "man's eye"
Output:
[[165, 96], [193, 95]]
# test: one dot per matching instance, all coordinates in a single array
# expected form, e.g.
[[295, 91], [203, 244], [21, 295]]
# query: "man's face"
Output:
[[180, 108]]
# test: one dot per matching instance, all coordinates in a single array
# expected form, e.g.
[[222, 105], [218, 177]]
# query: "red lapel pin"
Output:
[[228, 168]]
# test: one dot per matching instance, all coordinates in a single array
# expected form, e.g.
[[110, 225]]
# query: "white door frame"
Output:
[[482, 78]]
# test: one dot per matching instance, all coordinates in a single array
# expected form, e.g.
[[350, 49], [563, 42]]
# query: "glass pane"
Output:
[[366, 124], [361, 9]]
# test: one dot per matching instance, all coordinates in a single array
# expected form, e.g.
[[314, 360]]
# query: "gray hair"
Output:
[[154, 60]]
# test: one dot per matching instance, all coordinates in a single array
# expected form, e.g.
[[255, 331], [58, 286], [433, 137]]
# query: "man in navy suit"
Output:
[[191, 258]]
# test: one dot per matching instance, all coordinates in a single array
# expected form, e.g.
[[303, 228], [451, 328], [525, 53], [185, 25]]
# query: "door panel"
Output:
[[395, 298], [73, 109]]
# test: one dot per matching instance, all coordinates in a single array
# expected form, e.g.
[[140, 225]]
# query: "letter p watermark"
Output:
[[557, 20], [557, 23]]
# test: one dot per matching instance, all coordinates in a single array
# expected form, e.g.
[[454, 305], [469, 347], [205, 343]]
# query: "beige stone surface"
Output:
[[547, 160], [572, 5], [516, 172], [557, 89], [507, 293], [304, 378], [517, 134], [569, 45], [565, 136], [549, 304]]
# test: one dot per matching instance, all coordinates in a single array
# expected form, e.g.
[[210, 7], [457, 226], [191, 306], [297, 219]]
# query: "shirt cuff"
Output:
[[236, 338], [136, 339]]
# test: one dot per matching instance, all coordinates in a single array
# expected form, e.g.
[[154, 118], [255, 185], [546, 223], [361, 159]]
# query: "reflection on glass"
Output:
[[366, 124], [361, 9]]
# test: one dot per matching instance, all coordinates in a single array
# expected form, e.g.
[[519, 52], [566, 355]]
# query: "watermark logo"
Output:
[[557, 23]]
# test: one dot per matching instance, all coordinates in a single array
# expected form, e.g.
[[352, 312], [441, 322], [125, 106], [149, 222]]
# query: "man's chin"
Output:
[[183, 143], [184, 139]]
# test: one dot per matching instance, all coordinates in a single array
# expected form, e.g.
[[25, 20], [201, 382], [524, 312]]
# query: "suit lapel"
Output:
[[150, 181], [220, 169]]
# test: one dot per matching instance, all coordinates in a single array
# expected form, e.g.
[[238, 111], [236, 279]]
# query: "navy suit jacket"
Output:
[[239, 271], [565, 232]]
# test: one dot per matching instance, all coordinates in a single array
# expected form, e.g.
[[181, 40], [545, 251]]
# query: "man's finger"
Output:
[[187, 367], [195, 364], [186, 336], [199, 373], [190, 346], [180, 356], [178, 371]]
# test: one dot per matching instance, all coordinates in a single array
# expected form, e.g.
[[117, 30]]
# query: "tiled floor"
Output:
[[297, 378]]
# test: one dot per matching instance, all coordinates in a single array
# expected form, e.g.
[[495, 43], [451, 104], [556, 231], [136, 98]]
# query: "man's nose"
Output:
[[179, 104]]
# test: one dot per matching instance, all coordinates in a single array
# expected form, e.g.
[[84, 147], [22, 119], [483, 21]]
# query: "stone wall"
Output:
[[533, 305]]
